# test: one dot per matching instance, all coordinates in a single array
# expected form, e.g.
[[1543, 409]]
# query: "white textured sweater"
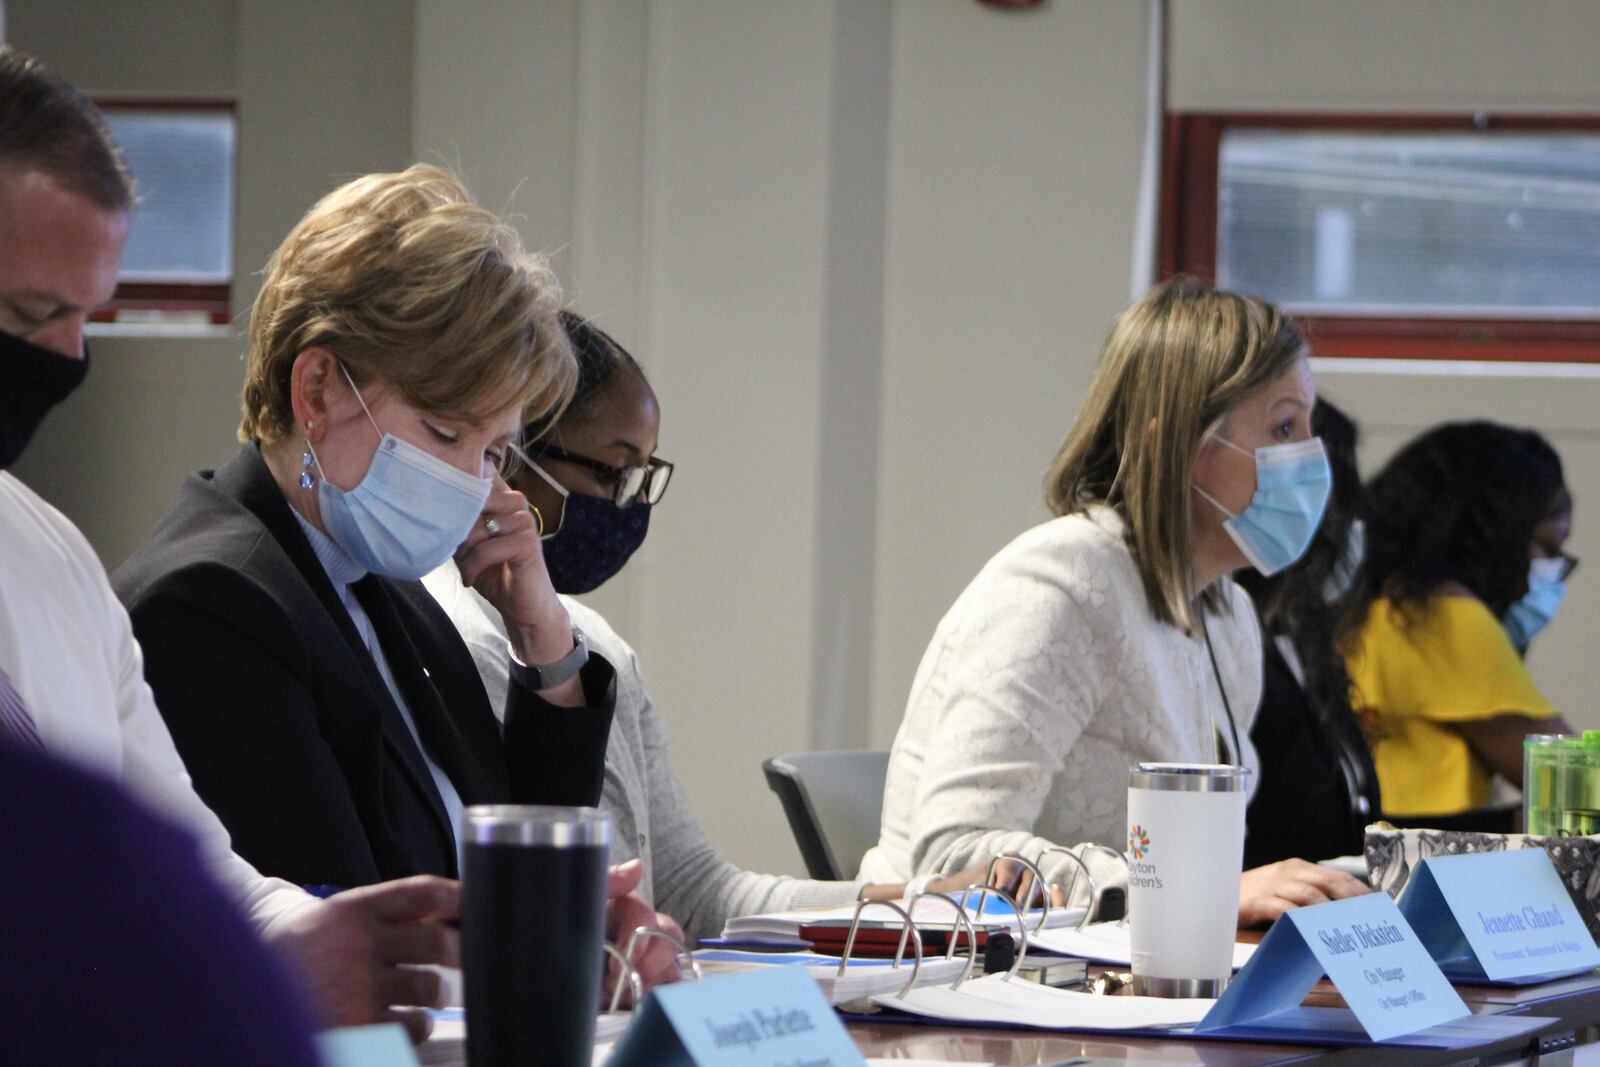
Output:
[[1044, 681], [684, 875]]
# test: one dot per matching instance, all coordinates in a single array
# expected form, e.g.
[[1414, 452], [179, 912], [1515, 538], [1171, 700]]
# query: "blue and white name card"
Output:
[[1500, 916], [770, 1018], [1370, 953], [379, 1045]]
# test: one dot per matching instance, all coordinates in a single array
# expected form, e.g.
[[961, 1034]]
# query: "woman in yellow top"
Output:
[[1462, 519]]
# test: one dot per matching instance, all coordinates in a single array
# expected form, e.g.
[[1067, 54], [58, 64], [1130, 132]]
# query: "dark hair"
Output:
[[1294, 601], [600, 359], [1458, 504], [48, 126]]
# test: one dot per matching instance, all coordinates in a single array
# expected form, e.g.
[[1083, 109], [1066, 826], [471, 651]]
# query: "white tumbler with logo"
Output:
[[1185, 854]]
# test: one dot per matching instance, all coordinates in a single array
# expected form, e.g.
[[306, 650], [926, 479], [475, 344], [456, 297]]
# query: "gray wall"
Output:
[[863, 253], [324, 93]]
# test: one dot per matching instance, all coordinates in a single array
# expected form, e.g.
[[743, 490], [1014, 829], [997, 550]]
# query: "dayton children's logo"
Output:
[[1138, 842]]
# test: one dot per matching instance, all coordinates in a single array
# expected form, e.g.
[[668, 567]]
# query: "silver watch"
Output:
[[553, 674]]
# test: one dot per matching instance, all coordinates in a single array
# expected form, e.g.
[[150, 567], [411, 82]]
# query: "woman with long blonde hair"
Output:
[[1113, 633]]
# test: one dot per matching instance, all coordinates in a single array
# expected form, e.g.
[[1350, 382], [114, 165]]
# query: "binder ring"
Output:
[[1120, 858], [908, 930], [1094, 893], [648, 932], [1038, 883], [634, 981], [950, 950], [1022, 927]]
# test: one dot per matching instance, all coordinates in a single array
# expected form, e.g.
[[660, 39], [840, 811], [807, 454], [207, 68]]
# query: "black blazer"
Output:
[[1318, 788], [280, 714]]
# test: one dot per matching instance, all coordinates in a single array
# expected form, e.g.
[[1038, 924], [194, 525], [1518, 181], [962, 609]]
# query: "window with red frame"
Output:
[[1399, 236], [178, 266]]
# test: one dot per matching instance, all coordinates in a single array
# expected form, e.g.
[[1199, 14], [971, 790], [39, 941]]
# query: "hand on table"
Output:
[[655, 960], [357, 951], [1010, 876], [1267, 892], [1017, 880]]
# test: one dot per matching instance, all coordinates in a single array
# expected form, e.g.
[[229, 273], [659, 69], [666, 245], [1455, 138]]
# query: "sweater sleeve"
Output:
[[693, 883], [1018, 673]]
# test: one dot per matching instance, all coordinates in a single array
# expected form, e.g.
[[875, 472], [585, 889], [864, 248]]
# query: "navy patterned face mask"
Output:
[[595, 540]]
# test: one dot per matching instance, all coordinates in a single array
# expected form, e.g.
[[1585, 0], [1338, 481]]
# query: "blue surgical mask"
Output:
[[1547, 586], [1292, 486], [410, 512], [595, 538]]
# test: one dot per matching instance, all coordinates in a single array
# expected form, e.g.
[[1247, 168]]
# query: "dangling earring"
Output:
[[308, 460]]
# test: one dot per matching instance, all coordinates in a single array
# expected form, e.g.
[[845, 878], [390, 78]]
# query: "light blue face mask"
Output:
[[409, 513], [1292, 487], [1547, 585]]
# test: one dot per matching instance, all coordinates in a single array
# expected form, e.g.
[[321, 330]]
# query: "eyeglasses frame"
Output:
[[654, 468]]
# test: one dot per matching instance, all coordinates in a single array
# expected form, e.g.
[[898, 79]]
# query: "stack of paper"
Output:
[[1105, 943], [785, 925], [994, 1000], [862, 979]]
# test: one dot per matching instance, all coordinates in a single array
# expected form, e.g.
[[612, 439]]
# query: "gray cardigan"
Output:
[[684, 875]]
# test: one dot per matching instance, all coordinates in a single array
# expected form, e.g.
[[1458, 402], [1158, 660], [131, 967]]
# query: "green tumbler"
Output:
[[1561, 784]]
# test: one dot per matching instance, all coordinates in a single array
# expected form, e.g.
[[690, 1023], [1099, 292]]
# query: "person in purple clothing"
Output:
[[117, 945]]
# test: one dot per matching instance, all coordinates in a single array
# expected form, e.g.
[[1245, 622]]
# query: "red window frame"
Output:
[[1188, 242], [213, 300]]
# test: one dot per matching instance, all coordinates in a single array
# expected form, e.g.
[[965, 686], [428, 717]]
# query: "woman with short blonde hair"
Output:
[[408, 280], [1112, 633], [323, 704]]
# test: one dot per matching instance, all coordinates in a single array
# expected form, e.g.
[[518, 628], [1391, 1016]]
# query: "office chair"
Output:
[[834, 803]]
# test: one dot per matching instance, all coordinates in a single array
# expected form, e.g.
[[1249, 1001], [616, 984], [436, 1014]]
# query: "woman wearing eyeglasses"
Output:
[[324, 705], [1464, 561], [591, 479]]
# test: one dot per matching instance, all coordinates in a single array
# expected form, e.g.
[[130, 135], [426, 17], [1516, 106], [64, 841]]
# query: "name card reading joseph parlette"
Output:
[[1500, 916], [772, 1018], [379, 1045], [1365, 947]]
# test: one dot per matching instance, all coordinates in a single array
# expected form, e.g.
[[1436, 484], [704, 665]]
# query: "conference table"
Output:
[[1573, 1004]]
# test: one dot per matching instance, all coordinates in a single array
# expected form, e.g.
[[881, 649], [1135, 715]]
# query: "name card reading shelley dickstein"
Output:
[[770, 1018], [1498, 916], [1367, 950]]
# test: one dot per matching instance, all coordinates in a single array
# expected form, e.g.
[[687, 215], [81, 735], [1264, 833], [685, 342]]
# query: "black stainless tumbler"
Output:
[[533, 918]]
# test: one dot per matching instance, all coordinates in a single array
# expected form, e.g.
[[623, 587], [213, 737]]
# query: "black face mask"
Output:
[[595, 539], [32, 381]]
